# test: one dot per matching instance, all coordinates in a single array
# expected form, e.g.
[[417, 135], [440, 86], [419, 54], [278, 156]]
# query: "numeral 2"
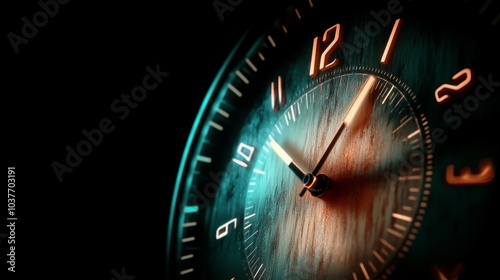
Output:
[[465, 75]]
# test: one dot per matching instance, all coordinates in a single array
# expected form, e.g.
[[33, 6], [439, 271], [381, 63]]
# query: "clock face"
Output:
[[361, 196], [353, 142]]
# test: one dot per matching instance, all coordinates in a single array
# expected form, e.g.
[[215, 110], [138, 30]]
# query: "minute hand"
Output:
[[351, 113]]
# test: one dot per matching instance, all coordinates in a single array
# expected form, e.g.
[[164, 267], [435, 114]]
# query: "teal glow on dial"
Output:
[[369, 194]]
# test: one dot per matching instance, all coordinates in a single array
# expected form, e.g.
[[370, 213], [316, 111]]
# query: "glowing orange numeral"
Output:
[[465, 74], [485, 174], [389, 48], [321, 64], [278, 96], [441, 272]]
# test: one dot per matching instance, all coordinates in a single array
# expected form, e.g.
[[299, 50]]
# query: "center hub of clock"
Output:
[[317, 185]]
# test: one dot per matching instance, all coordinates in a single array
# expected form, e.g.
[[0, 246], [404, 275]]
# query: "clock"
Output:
[[353, 141]]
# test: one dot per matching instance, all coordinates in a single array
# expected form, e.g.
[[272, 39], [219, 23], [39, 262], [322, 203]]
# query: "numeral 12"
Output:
[[322, 60]]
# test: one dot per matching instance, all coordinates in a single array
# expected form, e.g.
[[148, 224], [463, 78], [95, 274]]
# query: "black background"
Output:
[[108, 217]]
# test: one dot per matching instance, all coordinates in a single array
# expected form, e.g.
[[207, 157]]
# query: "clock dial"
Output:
[[365, 217], [345, 143]]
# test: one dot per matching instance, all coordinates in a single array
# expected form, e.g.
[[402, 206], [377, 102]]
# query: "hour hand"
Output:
[[317, 185], [287, 159]]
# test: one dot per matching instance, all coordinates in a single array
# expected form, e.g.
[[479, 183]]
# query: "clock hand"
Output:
[[287, 159], [309, 180], [351, 113]]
